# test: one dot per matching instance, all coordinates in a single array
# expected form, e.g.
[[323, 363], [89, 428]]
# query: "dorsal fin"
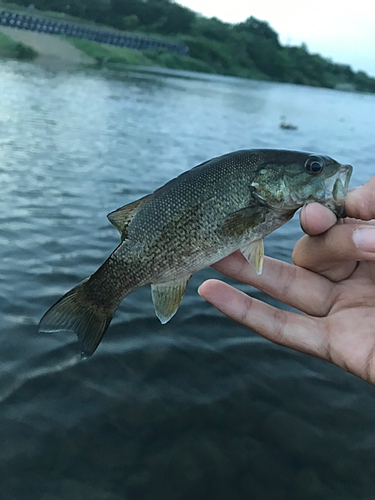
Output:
[[123, 216]]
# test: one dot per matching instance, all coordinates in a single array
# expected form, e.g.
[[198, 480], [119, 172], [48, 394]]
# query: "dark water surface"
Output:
[[200, 408]]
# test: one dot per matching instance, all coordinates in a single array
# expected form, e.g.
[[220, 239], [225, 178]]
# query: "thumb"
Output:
[[316, 219]]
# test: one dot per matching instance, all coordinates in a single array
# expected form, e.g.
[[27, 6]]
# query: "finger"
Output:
[[316, 219], [335, 253], [297, 331], [360, 203], [284, 282]]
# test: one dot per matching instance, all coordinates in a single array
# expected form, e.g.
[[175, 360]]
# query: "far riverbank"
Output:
[[250, 50]]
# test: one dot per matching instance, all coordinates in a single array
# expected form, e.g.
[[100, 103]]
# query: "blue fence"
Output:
[[32, 23]]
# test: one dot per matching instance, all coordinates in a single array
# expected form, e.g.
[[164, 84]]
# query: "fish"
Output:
[[228, 203]]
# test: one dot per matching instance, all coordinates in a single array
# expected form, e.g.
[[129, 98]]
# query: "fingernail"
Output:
[[302, 218], [364, 239]]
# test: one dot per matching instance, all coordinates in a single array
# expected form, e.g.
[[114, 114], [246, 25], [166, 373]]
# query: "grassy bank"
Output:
[[107, 54], [15, 50]]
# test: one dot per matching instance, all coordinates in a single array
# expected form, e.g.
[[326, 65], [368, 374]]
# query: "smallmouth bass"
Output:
[[227, 203]]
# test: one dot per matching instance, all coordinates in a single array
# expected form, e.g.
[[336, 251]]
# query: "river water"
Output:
[[200, 408]]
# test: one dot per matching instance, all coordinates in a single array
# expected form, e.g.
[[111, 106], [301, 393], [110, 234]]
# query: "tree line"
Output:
[[249, 49]]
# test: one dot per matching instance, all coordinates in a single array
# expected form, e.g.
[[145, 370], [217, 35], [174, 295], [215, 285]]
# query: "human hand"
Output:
[[332, 282]]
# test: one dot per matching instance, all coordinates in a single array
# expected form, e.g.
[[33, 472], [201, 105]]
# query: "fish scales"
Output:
[[228, 203], [190, 228]]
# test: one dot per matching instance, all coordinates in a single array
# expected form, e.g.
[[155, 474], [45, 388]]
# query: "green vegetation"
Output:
[[16, 50], [24, 52], [6, 44], [250, 49], [174, 61], [108, 53]]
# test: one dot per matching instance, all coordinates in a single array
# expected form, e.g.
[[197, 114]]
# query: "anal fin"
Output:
[[167, 297], [254, 253]]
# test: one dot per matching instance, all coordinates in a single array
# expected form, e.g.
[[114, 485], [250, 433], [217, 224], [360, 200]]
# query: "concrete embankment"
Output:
[[49, 47]]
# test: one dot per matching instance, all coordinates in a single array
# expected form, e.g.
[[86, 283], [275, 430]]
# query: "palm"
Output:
[[349, 325], [339, 319]]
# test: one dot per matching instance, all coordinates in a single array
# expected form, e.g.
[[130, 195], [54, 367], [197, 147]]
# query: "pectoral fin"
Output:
[[167, 297], [254, 253], [123, 216], [244, 220]]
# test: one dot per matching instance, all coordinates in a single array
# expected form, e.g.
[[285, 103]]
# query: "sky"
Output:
[[343, 31]]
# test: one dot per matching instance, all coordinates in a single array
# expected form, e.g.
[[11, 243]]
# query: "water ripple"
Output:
[[198, 394]]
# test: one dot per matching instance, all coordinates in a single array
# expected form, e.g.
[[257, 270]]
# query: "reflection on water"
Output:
[[199, 408]]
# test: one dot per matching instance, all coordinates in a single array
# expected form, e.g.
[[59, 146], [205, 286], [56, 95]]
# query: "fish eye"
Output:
[[314, 165]]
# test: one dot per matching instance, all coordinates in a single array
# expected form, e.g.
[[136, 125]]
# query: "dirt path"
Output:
[[49, 47]]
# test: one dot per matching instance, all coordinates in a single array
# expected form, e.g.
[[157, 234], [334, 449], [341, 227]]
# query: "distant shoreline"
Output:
[[58, 39]]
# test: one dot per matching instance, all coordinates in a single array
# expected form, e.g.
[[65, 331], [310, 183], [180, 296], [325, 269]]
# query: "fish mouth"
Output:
[[336, 188]]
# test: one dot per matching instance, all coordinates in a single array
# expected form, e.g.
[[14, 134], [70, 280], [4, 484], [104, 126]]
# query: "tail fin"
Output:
[[76, 312]]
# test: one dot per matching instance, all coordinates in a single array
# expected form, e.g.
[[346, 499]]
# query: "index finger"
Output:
[[360, 203], [284, 282]]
